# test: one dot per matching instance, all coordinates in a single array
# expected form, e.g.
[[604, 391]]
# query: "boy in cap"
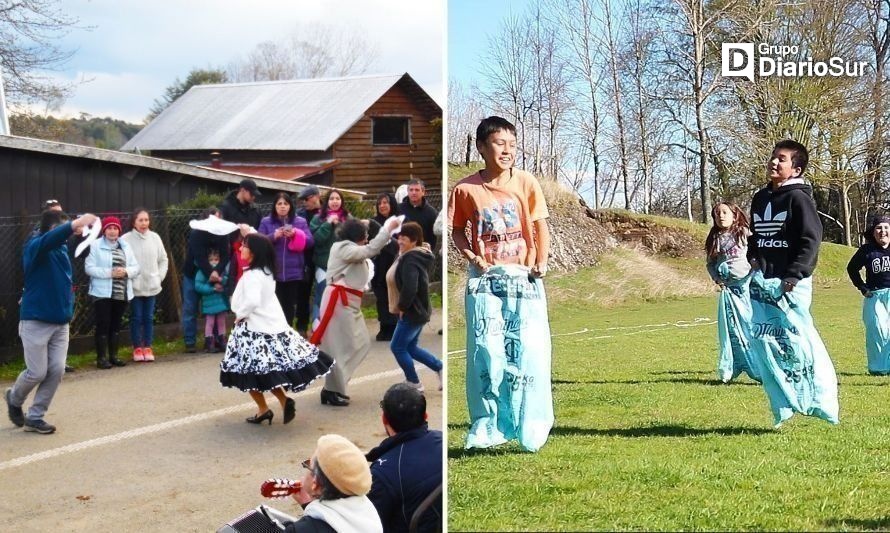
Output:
[[311, 206], [238, 206]]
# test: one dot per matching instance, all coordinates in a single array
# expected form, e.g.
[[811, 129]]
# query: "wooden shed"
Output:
[[88, 179], [368, 133]]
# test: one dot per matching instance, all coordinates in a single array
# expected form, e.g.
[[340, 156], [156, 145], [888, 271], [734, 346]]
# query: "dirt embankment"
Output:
[[580, 235], [650, 235]]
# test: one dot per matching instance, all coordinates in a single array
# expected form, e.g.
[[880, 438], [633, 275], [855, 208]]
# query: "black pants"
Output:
[[294, 299], [109, 314], [385, 318], [304, 304]]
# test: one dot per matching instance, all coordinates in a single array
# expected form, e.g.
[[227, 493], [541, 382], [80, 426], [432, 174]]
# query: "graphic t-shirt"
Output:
[[500, 217]]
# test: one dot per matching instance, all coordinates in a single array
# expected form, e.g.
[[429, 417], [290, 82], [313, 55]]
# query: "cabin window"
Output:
[[391, 130]]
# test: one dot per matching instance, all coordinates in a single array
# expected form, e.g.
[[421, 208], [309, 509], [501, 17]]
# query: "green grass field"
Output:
[[645, 438]]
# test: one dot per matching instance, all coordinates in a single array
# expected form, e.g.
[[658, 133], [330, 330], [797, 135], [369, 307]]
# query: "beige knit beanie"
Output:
[[344, 465]]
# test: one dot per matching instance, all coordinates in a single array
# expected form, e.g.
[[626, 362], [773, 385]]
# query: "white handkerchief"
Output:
[[91, 233], [214, 225], [401, 219]]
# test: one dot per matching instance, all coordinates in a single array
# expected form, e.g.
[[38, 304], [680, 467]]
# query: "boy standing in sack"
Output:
[[498, 223], [798, 375]]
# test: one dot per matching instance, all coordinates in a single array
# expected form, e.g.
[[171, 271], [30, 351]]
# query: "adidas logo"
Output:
[[769, 225]]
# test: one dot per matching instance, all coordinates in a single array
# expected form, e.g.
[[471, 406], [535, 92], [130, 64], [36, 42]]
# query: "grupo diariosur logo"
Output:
[[739, 60]]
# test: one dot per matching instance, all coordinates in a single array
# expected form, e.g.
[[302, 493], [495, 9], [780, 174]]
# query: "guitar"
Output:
[[280, 488]]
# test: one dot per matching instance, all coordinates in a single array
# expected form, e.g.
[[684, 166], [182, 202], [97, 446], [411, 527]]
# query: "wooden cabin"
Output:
[[367, 133]]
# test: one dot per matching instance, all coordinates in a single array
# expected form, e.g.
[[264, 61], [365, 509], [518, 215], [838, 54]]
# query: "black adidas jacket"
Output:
[[786, 232]]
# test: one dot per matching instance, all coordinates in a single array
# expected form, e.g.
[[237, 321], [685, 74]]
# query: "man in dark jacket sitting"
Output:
[[406, 467]]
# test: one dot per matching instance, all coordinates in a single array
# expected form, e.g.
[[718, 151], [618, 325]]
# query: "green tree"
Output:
[[196, 77]]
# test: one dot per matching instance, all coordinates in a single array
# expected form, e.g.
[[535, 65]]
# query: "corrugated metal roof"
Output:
[[280, 115]]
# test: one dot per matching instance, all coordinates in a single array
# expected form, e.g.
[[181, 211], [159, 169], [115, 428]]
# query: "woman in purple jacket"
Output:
[[290, 235]]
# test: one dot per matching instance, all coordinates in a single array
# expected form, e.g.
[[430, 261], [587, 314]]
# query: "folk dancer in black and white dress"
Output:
[[263, 353]]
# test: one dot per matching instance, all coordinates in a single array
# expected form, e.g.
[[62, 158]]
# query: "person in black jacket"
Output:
[[406, 467], [874, 257], [786, 230], [386, 207], [409, 298], [416, 209], [238, 206], [311, 206], [199, 245]]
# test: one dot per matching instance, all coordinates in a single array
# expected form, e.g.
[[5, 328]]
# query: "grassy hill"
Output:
[[645, 438]]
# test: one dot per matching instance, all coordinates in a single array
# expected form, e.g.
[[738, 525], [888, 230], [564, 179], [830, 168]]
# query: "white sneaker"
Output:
[[418, 386], [441, 379]]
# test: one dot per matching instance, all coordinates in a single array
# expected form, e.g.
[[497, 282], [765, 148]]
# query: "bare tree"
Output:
[[464, 114], [641, 37], [616, 99], [580, 30], [508, 68], [30, 31], [311, 52], [878, 38]]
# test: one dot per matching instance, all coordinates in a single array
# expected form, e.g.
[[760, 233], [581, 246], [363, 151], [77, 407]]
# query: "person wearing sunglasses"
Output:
[[334, 493]]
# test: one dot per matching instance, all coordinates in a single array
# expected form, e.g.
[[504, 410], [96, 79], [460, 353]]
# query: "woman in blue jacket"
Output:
[[290, 236], [111, 267]]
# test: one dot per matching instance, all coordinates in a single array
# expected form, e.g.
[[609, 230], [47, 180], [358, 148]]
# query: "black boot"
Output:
[[332, 398], [112, 350], [102, 352], [208, 344], [220, 343], [386, 331]]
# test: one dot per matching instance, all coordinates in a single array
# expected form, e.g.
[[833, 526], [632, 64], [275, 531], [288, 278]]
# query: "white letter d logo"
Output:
[[737, 60]]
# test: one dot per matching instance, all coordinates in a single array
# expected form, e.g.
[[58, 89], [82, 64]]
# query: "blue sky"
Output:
[[136, 49], [469, 25]]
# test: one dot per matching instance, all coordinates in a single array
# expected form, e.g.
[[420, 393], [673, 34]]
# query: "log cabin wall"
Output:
[[378, 168]]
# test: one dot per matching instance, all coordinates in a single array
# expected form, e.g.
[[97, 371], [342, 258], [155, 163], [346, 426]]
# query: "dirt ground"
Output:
[[163, 447]]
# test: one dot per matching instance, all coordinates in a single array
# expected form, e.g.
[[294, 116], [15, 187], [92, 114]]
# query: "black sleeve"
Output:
[[806, 224], [857, 262], [752, 241]]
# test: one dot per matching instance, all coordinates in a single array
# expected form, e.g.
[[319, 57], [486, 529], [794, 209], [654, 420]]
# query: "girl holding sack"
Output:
[[727, 247], [874, 257]]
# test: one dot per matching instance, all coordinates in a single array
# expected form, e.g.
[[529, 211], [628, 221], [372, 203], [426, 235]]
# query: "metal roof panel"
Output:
[[282, 115]]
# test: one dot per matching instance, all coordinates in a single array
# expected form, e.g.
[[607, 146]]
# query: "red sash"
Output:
[[338, 293]]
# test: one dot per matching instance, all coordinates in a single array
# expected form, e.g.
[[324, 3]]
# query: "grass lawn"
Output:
[[645, 438]]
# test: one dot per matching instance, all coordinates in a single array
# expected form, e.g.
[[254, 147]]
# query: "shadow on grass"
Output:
[[504, 449], [868, 524], [687, 381], [665, 430], [681, 373]]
